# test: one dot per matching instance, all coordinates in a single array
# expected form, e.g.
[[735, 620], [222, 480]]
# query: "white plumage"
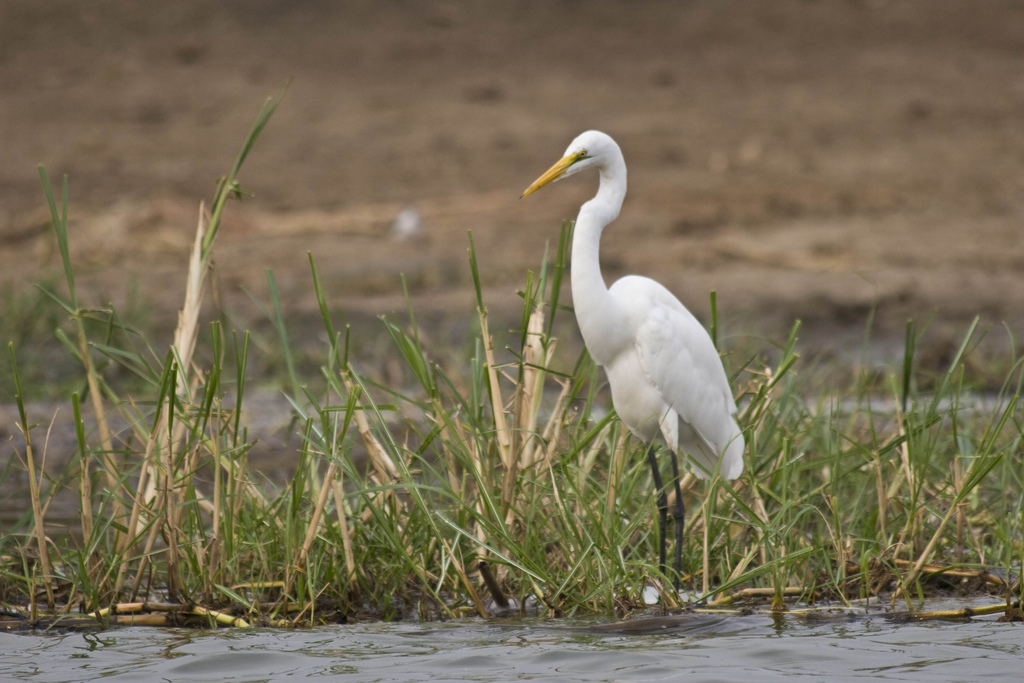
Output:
[[681, 380], [663, 369]]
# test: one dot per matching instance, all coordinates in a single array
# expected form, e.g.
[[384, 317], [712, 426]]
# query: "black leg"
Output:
[[662, 507], [679, 515]]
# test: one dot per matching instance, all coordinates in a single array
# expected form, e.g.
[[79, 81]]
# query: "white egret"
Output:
[[663, 369]]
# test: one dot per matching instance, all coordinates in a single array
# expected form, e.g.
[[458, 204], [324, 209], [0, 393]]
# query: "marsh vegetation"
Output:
[[500, 482]]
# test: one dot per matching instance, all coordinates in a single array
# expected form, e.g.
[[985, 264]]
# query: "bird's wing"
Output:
[[680, 361]]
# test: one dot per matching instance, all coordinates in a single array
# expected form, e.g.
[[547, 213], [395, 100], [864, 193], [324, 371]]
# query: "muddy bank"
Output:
[[804, 159]]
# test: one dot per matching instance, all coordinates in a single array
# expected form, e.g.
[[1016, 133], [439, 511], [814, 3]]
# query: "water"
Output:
[[752, 648]]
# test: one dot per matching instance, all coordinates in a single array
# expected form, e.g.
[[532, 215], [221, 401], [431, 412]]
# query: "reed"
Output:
[[501, 484]]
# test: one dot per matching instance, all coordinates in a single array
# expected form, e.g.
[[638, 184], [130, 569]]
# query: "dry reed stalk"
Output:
[[497, 405], [929, 568], [30, 462], [109, 466], [187, 331], [746, 593], [185, 337], [136, 613], [310, 607], [219, 617], [184, 344], [962, 613], [526, 409], [530, 391], [744, 562], [37, 516], [346, 532], [168, 510], [299, 565], [143, 620]]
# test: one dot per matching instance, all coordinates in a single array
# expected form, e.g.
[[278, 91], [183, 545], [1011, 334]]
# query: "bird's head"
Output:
[[591, 149]]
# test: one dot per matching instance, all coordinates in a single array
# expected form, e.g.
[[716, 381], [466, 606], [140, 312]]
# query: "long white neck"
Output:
[[595, 306]]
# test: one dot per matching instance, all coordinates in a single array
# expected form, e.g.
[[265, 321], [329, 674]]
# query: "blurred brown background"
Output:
[[810, 159]]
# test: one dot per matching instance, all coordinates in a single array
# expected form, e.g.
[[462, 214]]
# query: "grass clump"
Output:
[[505, 484]]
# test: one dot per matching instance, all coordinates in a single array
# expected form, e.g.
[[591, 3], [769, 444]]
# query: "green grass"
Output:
[[889, 482]]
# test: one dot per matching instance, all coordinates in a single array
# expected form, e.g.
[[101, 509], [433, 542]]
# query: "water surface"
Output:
[[751, 648]]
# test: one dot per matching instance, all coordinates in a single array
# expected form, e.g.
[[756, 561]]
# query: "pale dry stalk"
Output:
[[170, 521], [184, 344], [529, 394], [314, 522], [497, 405], [109, 466], [346, 533], [37, 516]]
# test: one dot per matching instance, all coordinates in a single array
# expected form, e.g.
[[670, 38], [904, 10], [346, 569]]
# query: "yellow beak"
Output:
[[554, 173]]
